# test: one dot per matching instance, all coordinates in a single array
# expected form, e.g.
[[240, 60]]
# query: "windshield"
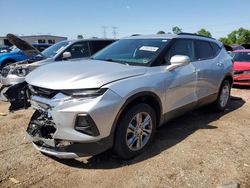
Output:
[[14, 49], [55, 49], [241, 56], [132, 51]]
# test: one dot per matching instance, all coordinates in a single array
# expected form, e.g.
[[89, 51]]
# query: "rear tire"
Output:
[[135, 131], [223, 96]]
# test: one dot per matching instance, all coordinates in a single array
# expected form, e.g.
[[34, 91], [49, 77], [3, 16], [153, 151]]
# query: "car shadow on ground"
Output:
[[166, 137]]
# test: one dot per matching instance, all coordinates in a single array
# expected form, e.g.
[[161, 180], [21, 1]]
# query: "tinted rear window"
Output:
[[203, 50], [216, 48]]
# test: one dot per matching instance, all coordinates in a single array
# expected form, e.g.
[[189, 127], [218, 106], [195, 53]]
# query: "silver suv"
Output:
[[119, 97]]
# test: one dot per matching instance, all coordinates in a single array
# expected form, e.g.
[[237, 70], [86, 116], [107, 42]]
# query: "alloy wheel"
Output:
[[139, 131], [224, 96]]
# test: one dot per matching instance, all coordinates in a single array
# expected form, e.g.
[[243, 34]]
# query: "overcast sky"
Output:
[[87, 17]]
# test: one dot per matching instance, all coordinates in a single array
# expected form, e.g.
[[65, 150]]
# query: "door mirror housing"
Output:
[[66, 55], [178, 61]]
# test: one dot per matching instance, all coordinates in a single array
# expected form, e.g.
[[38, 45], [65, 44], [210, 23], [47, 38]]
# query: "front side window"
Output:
[[132, 51], [78, 50], [241, 56], [181, 47], [203, 50]]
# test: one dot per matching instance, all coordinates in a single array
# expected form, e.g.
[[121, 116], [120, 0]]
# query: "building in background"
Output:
[[40, 39]]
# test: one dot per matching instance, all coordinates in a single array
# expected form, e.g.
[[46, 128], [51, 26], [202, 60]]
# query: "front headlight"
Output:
[[85, 93], [20, 71]]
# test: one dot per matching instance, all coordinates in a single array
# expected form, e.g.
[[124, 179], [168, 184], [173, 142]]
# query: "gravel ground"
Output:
[[199, 149]]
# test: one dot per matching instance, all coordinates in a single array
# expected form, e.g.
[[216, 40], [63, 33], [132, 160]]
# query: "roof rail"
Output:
[[193, 34]]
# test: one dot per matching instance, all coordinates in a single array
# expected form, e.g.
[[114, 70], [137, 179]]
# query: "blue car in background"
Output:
[[4, 49], [13, 56], [17, 54]]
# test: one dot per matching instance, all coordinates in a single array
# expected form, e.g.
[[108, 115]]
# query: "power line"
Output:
[[114, 32], [104, 31]]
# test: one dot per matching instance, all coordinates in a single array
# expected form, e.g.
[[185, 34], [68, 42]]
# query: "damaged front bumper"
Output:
[[64, 149], [67, 149], [53, 127], [11, 79], [7, 79]]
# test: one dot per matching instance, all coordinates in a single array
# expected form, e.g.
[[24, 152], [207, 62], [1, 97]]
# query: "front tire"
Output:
[[223, 96], [135, 131]]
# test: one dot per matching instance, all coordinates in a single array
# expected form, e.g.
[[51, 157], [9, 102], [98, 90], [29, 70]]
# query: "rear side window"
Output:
[[203, 50], [216, 48], [98, 45]]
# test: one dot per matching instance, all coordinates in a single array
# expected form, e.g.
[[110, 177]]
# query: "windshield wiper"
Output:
[[112, 60], [117, 61]]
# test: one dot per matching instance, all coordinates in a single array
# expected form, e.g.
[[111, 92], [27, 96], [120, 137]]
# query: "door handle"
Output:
[[219, 64]]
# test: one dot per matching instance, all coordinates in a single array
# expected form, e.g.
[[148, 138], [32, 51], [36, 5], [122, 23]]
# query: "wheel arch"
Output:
[[228, 77], [147, 97]]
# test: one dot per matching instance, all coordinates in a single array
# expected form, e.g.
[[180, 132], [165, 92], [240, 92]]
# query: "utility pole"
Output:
[[114, 32], [104, 31]]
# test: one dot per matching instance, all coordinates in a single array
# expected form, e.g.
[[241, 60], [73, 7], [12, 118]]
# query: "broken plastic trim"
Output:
[[18, 96], [41, 126]]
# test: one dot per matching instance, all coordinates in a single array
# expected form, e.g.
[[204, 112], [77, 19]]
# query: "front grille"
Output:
[[42, 92], [5, 71]]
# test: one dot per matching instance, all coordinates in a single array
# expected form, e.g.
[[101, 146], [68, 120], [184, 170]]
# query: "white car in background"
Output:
[[64, 50]]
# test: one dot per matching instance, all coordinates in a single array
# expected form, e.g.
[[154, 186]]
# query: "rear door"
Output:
[[182, 81], [207, 67]]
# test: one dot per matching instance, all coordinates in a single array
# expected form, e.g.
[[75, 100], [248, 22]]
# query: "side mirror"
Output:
[[178, 61], [66, 55]]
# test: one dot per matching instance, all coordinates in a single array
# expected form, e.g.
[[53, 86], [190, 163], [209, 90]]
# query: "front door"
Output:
[[181, 82]]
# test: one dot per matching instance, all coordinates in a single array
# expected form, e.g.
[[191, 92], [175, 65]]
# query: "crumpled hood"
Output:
[[83, 74], [26, 48]]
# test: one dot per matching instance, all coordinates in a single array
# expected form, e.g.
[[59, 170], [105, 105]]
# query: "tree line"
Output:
[[240, 36]]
